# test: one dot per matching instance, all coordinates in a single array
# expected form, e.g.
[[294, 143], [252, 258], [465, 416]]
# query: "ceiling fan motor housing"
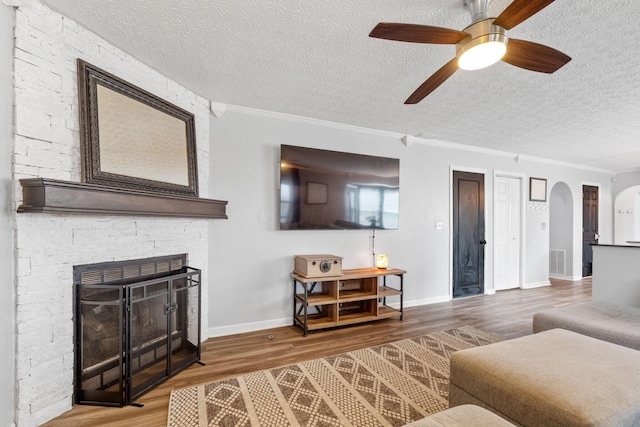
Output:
[[479, 9], [481, 32]]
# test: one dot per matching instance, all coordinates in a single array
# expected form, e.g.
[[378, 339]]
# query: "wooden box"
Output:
[[318, 265]]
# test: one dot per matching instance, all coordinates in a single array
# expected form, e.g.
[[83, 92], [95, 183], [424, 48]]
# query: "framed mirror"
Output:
[[132, 139]]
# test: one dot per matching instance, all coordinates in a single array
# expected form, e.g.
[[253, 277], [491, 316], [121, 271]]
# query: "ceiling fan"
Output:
[[481, 44]]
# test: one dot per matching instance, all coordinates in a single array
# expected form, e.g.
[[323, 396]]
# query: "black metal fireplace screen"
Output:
[[137, 324]]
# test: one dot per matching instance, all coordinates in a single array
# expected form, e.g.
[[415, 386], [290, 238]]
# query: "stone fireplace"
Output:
[[49, 244]]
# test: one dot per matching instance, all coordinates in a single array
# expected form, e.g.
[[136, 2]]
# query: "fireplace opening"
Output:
[[137, 323]]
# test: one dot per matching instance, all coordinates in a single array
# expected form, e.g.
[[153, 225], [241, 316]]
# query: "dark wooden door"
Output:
[[468, 234], [589, 226]]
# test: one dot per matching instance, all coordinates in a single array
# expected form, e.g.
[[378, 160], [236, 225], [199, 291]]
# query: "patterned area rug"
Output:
[[387, 385]]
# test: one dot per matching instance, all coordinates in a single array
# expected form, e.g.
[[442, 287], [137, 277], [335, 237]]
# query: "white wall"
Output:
[[47, 144], [636, 216], [605, 207], [251, 259], [624, 213], [625, 180], [560, 215], [7, 303]]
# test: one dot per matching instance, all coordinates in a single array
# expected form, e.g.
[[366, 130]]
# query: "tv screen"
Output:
[[322, 189]]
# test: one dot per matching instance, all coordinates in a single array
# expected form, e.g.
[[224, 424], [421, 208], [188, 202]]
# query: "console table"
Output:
[[355, 296]]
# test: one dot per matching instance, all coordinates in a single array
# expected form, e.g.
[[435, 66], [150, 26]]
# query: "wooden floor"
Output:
[[507, 313]]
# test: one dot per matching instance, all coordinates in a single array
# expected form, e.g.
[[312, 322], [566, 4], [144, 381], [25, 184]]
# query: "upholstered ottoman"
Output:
[[618, 324], [552, 378], [462, 416]]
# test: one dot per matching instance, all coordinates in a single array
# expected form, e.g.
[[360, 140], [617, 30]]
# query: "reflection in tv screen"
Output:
[[322, 189]]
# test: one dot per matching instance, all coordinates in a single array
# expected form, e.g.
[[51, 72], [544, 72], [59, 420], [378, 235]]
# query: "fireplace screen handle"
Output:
[[170, 308]]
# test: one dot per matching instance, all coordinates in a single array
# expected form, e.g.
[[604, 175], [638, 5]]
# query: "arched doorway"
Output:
[[626, 216], [561, 232]]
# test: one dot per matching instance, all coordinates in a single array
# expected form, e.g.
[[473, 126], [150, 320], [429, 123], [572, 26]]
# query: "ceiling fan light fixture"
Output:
[[481, 44], [482, 55], [485, 45]]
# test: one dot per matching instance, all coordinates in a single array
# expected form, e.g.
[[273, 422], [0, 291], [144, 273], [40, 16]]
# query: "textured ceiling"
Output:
[[314, 59]]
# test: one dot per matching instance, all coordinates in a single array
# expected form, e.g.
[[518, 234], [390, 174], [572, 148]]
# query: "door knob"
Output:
[[483, 242]]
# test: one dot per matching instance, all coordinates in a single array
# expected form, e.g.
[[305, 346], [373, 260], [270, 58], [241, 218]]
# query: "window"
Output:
[[373, 205], [285, 202]]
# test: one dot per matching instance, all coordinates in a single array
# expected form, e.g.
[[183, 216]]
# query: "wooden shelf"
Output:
[[42, 195], [355, 296], [322, 322], [319, 299], [356, 273], [385, 291], [354, 318], [388, 312], [316, 323]]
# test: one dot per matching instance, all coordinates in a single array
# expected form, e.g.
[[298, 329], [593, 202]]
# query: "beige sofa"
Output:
[[609, 322], [462, 416], [552, 378]]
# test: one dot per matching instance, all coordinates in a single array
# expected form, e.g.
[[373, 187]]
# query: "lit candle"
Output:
[[382, 261]]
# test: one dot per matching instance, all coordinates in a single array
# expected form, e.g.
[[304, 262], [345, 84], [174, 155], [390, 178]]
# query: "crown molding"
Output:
[[17, 3], [313, 122], [630, 170], [408, 140]]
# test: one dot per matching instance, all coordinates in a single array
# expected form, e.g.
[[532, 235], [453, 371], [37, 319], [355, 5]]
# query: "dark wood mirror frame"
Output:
[[133, 139]]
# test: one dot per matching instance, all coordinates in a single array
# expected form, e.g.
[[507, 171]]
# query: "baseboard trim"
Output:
[[536, 285], [416, 303], [564, 277], [240, 328], [426, 301]]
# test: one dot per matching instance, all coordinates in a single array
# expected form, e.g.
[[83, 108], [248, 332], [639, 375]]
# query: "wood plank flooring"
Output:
[[507, 313]]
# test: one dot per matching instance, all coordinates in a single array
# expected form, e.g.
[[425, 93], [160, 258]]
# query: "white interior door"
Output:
[[507, 232]]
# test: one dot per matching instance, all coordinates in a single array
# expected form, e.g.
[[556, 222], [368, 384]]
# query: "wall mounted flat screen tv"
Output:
[[322, 189]]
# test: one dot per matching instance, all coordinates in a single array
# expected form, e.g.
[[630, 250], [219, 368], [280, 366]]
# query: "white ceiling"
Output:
[[313, 58]]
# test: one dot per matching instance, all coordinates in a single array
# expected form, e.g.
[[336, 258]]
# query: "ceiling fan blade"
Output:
[[416, 33], [534, 57], [433, 82], [519, 11]]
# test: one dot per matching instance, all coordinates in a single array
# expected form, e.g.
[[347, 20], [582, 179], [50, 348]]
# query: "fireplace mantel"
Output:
[[43, 195]]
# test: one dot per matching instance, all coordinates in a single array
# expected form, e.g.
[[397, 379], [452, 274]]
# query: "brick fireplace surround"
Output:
[[47, 145]]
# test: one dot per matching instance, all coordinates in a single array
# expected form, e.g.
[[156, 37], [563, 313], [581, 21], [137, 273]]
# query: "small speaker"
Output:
[[310, 266]]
